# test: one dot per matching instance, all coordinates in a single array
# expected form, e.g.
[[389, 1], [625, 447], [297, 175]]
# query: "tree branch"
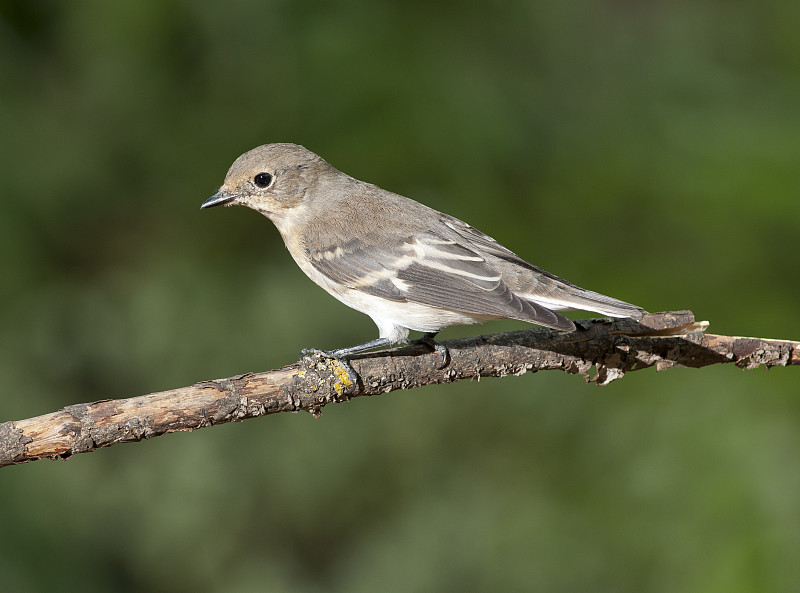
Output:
[[613, 347]]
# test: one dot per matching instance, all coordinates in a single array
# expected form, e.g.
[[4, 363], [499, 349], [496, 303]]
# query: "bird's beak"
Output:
[[218, 198]]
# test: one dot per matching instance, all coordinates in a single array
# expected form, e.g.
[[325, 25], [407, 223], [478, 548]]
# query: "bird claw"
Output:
[[444, 352], [352, 376], [437, 347]]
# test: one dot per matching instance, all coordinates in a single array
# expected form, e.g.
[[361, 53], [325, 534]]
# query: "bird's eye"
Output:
[[263, 179]]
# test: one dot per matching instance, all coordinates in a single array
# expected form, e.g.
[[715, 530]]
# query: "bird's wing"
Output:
[[428, 269]]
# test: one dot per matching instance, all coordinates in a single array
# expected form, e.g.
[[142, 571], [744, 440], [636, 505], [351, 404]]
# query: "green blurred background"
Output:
[[647, 150]]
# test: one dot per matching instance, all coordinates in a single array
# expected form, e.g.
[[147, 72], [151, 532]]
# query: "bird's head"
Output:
[[272, 179]]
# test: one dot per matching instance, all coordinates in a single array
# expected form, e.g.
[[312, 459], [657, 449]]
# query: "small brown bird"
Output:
[[405, 265]]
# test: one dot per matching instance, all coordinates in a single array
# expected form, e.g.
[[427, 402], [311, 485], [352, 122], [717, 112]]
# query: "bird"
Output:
[[405, 265]]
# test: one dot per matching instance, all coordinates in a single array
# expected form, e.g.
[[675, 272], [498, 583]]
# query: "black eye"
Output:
[[263, 179]]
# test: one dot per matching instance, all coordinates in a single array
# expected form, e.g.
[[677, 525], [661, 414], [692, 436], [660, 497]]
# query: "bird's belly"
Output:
[[408, 315]]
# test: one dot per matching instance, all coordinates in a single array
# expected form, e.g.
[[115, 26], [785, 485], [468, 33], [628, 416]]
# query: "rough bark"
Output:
[[612, 347]]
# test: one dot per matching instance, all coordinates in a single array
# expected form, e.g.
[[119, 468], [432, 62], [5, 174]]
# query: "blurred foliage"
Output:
[[647, 150]]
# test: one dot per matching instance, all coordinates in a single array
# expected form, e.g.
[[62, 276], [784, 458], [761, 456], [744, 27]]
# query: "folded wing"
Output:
[[435, 271]]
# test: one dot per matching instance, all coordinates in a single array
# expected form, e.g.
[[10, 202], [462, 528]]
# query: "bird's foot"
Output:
[[438, 347], [342, 369]]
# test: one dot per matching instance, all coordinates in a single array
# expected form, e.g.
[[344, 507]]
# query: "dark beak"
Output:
[[217, 199]]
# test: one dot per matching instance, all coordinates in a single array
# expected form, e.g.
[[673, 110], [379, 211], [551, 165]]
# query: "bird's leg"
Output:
[[441, 349], [359, 348]]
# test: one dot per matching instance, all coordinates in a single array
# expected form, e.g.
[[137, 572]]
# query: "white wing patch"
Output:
[[451, 258], [400, 284]]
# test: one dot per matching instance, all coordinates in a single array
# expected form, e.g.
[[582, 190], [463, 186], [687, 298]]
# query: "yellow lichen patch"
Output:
[[344, 382]]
